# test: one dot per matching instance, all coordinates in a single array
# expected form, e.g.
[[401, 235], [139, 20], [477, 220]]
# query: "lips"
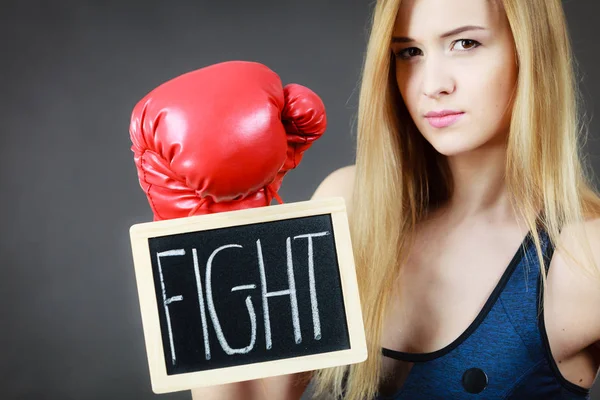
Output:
[[444, 118]]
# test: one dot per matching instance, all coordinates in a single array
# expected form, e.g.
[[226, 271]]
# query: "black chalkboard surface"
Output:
[[247, 294]]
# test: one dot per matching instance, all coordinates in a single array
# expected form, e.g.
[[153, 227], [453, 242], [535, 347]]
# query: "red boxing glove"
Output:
[[221, 138]]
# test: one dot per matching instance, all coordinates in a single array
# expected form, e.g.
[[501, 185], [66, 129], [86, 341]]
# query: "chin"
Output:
[[452, 152], [451, 145]]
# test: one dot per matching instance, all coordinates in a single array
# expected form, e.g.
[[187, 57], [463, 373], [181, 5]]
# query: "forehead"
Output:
[[420, 18]]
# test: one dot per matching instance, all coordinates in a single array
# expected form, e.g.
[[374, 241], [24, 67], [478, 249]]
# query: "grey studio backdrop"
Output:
[[71, 71]]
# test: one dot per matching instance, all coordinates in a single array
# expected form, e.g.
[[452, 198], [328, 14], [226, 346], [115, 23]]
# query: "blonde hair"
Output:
[[547, 182]]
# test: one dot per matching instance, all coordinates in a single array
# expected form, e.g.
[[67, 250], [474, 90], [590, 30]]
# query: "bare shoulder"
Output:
[[574, 289], [339, 183], [580, 240]]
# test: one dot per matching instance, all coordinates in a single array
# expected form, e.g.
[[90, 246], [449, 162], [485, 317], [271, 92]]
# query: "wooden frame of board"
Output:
[[160, 380]]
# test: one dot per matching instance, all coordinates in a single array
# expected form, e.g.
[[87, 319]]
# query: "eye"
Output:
[[408, 53], [465, 44]]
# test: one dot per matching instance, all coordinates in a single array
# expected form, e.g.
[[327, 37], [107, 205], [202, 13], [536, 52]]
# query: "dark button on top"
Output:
[[474, 380]]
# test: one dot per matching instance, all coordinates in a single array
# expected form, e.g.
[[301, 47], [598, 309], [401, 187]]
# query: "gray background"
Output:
[[70, 73]]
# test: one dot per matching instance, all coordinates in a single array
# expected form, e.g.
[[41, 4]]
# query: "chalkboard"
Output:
[[247, 294]]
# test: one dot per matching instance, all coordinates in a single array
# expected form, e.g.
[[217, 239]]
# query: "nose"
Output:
[[437, 78]]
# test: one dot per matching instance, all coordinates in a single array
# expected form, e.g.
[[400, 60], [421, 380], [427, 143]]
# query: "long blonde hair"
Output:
[[399, 176]]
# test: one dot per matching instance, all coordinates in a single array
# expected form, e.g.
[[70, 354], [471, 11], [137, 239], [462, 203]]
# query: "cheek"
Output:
[[407, 85], [498, 89]]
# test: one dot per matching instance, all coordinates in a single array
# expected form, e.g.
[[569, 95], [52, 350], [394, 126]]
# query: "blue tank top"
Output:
[[503, 354]]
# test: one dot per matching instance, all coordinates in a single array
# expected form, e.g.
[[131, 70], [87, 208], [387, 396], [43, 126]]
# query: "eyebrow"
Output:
[[403, 39]]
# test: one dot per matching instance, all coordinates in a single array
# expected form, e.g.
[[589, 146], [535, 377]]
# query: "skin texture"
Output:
[[473, 72], [461, 251]]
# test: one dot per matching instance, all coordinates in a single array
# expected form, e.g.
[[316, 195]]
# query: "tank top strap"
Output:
[[521, 299]]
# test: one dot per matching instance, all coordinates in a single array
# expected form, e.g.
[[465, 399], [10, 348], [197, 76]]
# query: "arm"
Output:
[[595, 244], [593, 231], [584, 283], [571, 303]]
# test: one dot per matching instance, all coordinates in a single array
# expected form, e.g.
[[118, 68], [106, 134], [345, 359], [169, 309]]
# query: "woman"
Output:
[[467, 175]]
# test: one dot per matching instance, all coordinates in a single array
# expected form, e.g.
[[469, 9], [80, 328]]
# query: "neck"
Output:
[[479, 184]]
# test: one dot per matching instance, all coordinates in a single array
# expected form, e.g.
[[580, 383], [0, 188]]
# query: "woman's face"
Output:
[[456, 71]]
